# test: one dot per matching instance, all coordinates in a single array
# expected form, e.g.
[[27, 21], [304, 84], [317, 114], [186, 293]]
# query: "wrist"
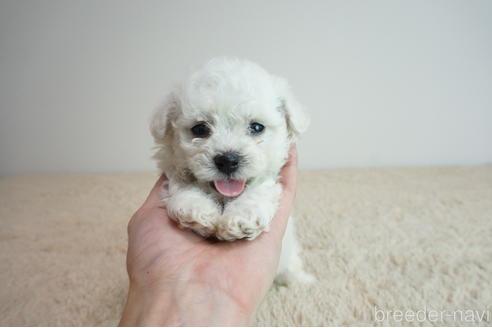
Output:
[[189, 305], [148, 307]]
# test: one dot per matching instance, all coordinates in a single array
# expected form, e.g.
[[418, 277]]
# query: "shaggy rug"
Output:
[[391, 246]]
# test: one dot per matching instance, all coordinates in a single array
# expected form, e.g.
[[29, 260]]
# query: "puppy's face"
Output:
[[229, 137], [228, 125]]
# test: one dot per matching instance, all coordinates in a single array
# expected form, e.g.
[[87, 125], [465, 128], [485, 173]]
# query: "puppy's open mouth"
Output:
[[229, 187]]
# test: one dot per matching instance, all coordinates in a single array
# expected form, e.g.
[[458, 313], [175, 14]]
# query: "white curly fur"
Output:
[[228, 94]]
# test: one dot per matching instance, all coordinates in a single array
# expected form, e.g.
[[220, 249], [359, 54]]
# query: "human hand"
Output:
[[179, 278]]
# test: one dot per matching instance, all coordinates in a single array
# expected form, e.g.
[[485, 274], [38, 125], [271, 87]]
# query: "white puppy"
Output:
[[222, 138]]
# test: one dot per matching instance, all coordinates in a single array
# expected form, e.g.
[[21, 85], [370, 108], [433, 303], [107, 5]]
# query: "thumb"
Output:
[[154, 197]]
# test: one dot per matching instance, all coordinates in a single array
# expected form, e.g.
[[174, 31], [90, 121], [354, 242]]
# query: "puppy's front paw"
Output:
[[240, 222], [250, 214], [193, 210], [239, 226]]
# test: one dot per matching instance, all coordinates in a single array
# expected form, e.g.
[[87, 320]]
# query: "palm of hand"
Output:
[[161, 252]]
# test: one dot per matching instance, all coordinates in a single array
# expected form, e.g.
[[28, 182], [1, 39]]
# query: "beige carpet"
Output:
[[409, 239]]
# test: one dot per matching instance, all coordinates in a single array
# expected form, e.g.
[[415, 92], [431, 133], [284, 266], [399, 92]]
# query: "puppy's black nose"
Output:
[[227, 162]]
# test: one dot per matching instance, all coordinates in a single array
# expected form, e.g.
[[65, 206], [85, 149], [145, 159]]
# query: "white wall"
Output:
[[386, 82]]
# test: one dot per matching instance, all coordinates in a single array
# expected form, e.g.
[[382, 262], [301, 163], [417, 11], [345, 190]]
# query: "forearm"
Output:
[[190, 306]]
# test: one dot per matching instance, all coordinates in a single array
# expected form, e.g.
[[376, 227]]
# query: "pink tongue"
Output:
[[230, 188]]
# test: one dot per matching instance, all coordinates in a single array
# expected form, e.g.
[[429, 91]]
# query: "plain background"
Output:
[[387, 83]]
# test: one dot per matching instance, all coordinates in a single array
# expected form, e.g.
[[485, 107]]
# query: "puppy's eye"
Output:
[[256, 128], [201, 130]]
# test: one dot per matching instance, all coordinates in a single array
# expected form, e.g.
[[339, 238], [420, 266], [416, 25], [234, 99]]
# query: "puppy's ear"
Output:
[[295, 115], [160, 122]]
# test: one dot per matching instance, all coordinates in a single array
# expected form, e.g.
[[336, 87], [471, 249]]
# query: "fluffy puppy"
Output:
[[222, 138]]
